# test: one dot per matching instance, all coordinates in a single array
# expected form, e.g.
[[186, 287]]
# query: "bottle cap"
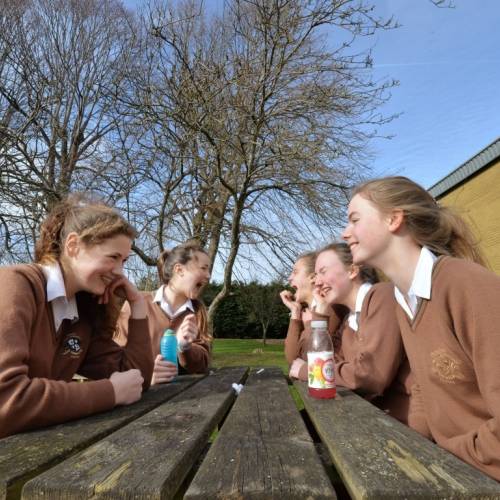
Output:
[[169, 331], [319, 323]]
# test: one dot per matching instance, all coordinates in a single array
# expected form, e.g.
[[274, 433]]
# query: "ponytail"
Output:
[[182, 254], [91, 219], [438, 228]]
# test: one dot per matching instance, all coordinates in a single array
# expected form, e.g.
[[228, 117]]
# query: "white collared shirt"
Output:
[[159, 298], [353, 317], [421, 284], [62, 308]]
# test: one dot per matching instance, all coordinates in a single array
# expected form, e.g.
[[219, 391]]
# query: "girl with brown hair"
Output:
[[184, 271], [300, 305], [369, 355], [58, 317], [447, 311]]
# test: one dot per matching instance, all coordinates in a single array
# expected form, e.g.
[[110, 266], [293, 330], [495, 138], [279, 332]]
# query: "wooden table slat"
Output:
[[150, 457], [263, 449], [380, 458], [25, 455]]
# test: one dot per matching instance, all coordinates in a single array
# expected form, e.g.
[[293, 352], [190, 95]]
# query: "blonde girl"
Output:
[[184, 271], [447, 311], [369, 355], [58, 317]]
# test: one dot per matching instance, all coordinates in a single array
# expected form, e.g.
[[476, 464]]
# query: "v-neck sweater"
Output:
[[37, 363], [453, 346]]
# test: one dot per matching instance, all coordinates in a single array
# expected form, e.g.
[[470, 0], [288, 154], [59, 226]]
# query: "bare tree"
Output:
[[274, 121], [60, 62]]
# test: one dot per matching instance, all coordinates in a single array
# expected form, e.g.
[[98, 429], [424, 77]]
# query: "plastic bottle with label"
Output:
[[168, 346], [320, 363]]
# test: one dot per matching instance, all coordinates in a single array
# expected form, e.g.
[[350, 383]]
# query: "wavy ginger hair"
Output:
[[94, 222]]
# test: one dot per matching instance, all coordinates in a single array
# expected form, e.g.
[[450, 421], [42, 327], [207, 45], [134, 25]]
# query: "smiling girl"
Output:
[[369, 357], [299, 329], [447, 310], [184, 271], [58, 317]]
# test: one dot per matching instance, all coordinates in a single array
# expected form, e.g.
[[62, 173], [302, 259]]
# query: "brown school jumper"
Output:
[[371, 360], [37, 363], [194, 360], [453, 346]]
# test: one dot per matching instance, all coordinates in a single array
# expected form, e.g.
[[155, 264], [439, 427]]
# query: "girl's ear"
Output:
[[396, 220], [353, 272], [72, 244], [178, 269]]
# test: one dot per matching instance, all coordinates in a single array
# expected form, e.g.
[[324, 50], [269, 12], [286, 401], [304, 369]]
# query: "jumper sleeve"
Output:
[[476, 324], [416, 412], [29, 402], [378, 352], [122, 325], [197, 358], [105, 356], [292, 349]]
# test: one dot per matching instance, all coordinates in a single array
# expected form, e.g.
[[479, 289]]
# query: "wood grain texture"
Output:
[[380, 458], [263, 450], [148, 458], [25, 455]]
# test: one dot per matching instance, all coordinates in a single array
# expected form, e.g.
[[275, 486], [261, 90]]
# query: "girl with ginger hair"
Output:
[[58, 317]]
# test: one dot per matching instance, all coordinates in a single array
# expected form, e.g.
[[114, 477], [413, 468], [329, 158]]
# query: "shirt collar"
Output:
[[159, 298], [55, 281], [62, 308], [421, 284], [353, 317]]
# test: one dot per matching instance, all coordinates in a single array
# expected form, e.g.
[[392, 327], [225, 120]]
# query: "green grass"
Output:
[[247, 352]]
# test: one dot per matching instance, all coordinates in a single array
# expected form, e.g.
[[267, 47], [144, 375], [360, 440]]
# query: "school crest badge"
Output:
[[72, 345]]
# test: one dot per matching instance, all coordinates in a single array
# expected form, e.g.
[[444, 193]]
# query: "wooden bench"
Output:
[[150, 457], [156, 449], [263, 449], [23, 456], [377, 457]]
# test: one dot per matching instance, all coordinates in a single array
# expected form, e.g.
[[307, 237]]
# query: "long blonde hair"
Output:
[[437, 227]]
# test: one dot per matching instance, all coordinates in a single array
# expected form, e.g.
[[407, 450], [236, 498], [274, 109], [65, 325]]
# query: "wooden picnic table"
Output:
[[265, 448]]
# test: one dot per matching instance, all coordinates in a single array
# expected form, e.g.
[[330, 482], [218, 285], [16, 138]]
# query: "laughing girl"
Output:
[[184, 271], [58, 317], [448, 312], [369, 357], [299, 329]]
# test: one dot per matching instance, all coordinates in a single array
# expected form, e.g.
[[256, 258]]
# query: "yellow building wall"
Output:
[[478, 201]]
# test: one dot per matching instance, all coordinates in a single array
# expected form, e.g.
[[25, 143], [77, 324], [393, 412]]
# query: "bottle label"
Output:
[[321, 370]]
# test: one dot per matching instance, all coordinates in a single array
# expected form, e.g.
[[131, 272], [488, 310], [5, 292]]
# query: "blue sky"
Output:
[[448, 64]]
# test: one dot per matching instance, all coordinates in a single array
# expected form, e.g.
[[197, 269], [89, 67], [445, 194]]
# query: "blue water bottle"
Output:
[[168, 346]]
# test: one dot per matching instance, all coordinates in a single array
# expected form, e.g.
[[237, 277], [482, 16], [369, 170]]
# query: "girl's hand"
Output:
[[123, 288], [321, 305], [295, 368], [127, 386], [163, 371], [289, 300], [187, 333]]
